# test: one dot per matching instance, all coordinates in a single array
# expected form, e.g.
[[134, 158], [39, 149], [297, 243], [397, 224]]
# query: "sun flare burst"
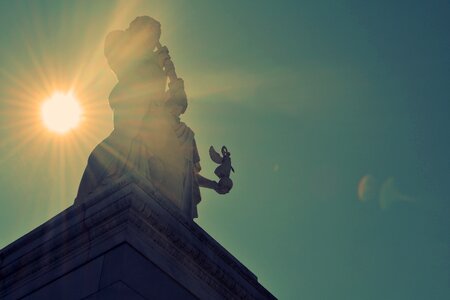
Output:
[[44, 135], [61, 112]]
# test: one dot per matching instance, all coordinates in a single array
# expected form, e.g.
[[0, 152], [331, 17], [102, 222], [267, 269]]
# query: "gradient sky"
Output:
[[309, 96]]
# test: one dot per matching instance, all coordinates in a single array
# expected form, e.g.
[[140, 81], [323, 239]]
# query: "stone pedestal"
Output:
[[123, 242]]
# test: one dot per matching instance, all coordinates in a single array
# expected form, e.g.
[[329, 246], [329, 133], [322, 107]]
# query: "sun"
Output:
[[61, 112]]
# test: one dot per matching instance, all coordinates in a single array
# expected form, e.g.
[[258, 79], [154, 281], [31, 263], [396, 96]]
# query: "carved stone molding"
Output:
[[126, 210]]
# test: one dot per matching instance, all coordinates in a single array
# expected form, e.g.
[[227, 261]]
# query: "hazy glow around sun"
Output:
[[61, 112]]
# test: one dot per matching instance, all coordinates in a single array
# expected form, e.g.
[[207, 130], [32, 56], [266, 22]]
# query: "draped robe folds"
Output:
[[147, 141]]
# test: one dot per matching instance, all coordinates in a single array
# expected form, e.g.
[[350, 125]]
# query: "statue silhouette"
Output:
[[148, 139]]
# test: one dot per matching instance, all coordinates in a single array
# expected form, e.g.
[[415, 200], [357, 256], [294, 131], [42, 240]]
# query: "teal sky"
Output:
[[309, 96]]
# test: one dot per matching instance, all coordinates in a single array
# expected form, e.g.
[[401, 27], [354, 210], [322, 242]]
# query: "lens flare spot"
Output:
[[61, 112], [367, 188]]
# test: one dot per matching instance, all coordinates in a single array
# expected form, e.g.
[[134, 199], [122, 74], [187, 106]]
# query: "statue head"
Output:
[[144, 32], [122, 47]]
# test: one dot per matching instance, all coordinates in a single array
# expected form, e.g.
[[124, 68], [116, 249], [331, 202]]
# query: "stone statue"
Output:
[[148, 139]]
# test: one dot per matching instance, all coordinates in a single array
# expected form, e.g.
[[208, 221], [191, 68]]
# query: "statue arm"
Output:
[[206, 183], [176, 98], [210, 184], [166, 63]]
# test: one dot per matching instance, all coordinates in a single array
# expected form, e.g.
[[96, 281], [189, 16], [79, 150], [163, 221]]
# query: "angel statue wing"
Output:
[[216, 157]]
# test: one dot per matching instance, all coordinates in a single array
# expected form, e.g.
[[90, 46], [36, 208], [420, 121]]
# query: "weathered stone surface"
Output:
[[123, 242]]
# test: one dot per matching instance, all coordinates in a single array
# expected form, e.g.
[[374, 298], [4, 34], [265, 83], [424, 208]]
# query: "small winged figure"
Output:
[[223, 171]]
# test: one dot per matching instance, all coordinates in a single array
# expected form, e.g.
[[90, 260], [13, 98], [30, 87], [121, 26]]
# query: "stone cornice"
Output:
[[127, 210]]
